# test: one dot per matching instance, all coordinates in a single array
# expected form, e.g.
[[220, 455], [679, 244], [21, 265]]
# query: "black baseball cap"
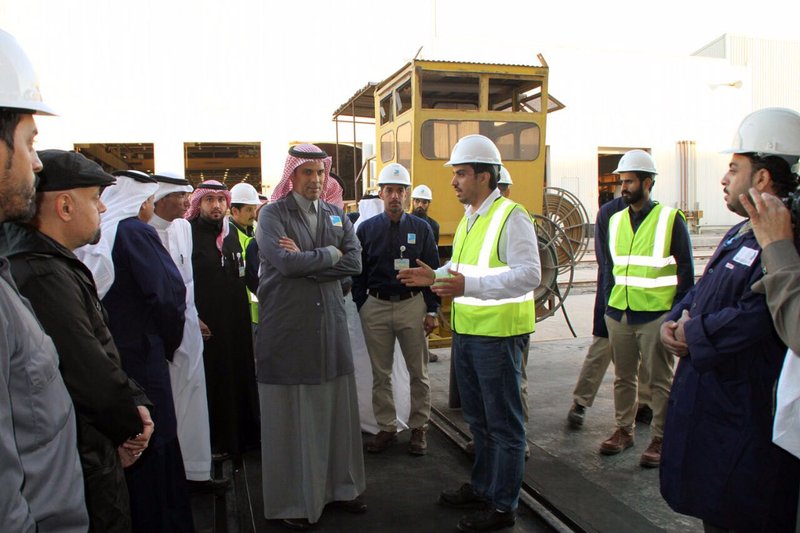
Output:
[[63, 170]]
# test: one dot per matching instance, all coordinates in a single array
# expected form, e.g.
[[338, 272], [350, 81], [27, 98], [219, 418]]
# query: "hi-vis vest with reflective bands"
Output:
[[475, 253], [244, 240], [645, 273]]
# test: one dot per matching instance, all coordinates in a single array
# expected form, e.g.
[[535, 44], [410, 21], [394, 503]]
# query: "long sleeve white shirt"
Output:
[[518, 248]]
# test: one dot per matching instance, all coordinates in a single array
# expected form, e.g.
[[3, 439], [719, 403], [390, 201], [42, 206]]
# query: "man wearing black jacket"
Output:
[[114, 426]]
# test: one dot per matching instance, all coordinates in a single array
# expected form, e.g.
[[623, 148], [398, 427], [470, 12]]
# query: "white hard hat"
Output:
[[244, 193], [474, 149], [19, 87], [422, 192], [505, 177], [768, 131], [636, 161], [394, 174]]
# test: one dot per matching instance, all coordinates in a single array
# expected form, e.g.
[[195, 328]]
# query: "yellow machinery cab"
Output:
[[424, 108]]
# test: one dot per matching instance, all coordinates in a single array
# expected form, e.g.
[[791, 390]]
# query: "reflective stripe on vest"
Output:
[[244, 240], [475, 254], [645, 273]]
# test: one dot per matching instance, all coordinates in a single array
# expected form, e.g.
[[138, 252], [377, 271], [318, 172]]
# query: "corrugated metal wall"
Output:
[[773, 68]]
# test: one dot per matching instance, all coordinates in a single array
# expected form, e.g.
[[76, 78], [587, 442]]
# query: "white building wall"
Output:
[[170, 73], [644, 101]]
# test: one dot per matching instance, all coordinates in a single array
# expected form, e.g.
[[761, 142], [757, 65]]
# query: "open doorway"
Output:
[[607, 162], [228, 163], [119, 156], [347, 166]]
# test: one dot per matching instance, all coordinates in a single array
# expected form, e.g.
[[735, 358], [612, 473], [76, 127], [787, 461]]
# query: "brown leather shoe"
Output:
[[620, 440], [382, 441], [651, 457], [418, 445]]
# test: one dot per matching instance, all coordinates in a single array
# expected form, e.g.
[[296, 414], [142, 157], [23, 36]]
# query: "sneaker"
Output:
[[576, 415], [462, 498], [432, 357], [418, 444], [620, 440], [381, 441], [651, 457], [644, 414], [488, 520]]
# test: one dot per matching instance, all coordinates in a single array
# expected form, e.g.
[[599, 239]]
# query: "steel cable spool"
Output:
[[567, 212], [551, 240]]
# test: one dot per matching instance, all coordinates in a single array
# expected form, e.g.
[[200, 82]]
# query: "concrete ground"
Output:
[[589, 491], [401, 495], [600, 493]]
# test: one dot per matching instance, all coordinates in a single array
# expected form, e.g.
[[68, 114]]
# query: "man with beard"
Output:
[[719, 461], [421, 198], [494, 270], [61, 290], [649, 269], [222, 304], [186, 371], [390, 311], [311, 439], [40, 471]]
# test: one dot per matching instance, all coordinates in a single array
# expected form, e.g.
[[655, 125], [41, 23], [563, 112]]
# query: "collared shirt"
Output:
[[383, 242], [518, 249], [680, 249], [311, 219]]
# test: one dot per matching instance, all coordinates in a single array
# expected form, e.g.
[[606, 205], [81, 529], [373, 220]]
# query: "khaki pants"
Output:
[[633, 345], [383, 322], [594, 370]]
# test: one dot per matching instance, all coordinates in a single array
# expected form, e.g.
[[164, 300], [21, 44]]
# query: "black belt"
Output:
[[392, 297]]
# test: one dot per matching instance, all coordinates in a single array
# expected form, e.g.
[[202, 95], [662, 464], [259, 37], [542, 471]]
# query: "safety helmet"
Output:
[[244, 193], [394, 174], [636, 161], [768, 131], [474, 149], [505, 177], [422, 192], [19, 87]]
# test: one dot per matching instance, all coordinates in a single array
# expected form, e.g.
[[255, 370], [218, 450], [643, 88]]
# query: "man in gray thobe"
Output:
[[310, 433]]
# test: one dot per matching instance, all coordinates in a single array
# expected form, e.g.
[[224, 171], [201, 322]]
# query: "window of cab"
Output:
[[515, 94], [517, 141]]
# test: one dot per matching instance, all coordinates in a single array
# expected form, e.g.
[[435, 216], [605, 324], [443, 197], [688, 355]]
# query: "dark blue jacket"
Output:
[[146, 306], [718, 462], [381, 243]]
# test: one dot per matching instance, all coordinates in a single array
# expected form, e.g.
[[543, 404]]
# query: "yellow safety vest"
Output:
[[645, 273], [244, 240], [475, 254]]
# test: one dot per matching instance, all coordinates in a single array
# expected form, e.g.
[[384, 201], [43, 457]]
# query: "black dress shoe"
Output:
[[462, 498], [354, 506], [217, 486], [488, 520], [219, 457], [298, 524]]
